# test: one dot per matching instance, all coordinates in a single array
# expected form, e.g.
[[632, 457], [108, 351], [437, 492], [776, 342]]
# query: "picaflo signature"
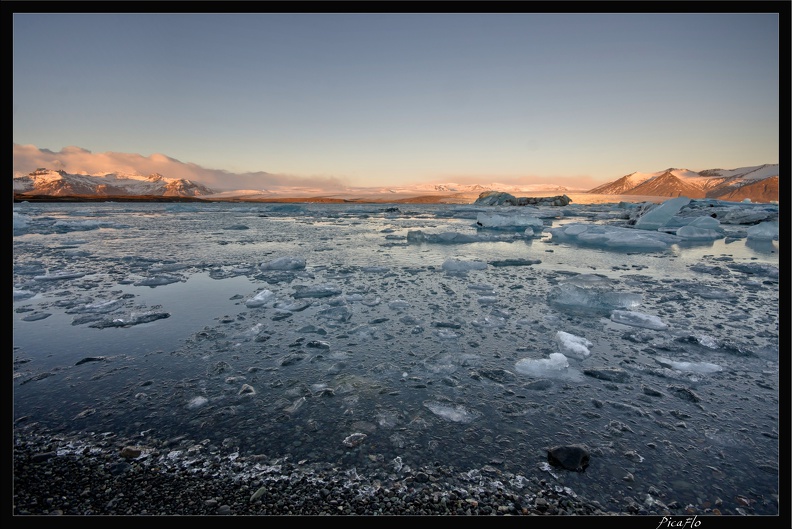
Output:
[[678, 523]]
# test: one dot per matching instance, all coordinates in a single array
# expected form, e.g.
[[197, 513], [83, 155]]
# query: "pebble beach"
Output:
[[99, 475]]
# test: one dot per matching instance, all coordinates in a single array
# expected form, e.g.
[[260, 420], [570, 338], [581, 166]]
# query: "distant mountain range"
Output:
[[61, 183], [757, 183]]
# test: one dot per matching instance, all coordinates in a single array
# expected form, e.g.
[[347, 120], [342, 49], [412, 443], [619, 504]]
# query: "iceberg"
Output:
[[659, 215], [764, 231]]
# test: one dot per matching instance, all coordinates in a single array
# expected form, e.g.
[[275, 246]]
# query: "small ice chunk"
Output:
[[707, 341], [23, 294], [555, 366], [487, 300], [197, 402], [259, 300], [399, 304], [158, 280], [284, 263], [578, 297], [316, 291], [764, 231], [57, 276], [375, 269], [455, 265], [689, 367], [99, 307], [574, 346], [452, 413], [20, 221], [637, 319], [481, 286], [341, 313]]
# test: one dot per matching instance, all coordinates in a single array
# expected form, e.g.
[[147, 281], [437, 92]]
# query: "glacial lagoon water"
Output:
[[408, 335]]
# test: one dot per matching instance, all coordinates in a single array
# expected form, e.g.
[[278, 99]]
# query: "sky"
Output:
[[386, 99]]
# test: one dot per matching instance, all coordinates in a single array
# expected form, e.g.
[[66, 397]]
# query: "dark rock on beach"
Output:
[[570, 457]]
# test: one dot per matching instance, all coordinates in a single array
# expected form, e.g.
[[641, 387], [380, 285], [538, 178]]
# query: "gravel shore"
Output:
[[101, 475]]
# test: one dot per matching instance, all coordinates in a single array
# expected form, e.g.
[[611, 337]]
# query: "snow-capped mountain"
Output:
[[758, 183], [61, 183]]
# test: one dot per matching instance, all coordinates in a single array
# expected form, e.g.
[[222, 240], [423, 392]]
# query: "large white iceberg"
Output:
[[659, 215]]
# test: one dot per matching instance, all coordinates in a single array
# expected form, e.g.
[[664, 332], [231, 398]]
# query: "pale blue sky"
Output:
[[375, 99]]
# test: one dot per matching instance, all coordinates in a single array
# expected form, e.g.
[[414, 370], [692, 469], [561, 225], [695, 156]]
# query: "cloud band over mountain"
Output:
[[28, 158]]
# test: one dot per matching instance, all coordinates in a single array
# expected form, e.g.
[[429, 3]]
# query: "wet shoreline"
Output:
[[90, 474]]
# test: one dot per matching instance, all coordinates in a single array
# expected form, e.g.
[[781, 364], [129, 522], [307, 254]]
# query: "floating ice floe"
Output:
[[284, 263], [698, 234], [575, 296], [98, 307], [399, 304], [614, 237], [573, 346], [23, 294], [316, 291], [197, 402], [340, 313], [689, 367], [486, 220], [705, 222], [556, 366], [460, 237], [260, 299], [637, 319], [375, 269], [83, 225], [455, 265], [57, 276], [158, 280], [452, 413], [21, 221]]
